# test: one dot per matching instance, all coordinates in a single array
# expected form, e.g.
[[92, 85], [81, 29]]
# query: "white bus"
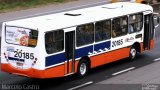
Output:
[[70, 42]]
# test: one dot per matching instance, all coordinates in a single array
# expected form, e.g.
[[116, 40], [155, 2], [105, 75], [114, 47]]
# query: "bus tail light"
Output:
[[34, 62], [5, 56]]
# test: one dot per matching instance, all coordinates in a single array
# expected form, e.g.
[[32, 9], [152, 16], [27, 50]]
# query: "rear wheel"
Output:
[[132, 53], [83, 68]]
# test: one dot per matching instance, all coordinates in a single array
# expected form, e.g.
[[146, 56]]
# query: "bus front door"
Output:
[[70, 52], [148, 31]]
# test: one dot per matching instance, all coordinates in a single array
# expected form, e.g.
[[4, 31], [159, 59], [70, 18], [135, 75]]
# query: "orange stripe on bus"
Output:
[[152, 44], [97, 60], [29, 72], [61, 70], [70, 66], [141, 47], [109, 57], [57, 71]]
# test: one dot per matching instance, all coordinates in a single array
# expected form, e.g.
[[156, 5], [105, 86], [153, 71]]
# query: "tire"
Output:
[[132, 53], [83, 67]]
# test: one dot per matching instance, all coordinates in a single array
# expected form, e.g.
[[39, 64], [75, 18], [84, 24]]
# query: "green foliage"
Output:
[[23, 4]]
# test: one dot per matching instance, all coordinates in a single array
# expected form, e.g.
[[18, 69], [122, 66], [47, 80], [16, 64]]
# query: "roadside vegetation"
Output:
[[11, 5]]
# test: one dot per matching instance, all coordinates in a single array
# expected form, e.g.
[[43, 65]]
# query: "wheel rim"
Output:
[[83, 68], [133, 53]]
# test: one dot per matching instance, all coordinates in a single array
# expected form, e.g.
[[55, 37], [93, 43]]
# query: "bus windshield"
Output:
[[21, 36]]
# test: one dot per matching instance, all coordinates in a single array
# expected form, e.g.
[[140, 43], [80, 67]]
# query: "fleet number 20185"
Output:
[[117, 43], [20, 54]]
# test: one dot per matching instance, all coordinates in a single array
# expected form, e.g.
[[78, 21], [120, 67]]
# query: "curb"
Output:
[[155, 4]]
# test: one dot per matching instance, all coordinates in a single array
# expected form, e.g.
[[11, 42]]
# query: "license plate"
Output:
[[19, 64]]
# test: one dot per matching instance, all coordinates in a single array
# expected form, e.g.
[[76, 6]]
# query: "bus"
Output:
[[73, 42]]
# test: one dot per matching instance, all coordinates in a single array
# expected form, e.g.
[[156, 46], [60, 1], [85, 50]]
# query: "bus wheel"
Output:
[[83, 68], [132, 53]]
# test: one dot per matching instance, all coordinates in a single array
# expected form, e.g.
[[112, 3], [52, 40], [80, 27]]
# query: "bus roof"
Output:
[[81, 16]]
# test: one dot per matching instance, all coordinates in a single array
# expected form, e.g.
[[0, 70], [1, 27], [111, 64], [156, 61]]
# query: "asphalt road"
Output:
[[99, 75]]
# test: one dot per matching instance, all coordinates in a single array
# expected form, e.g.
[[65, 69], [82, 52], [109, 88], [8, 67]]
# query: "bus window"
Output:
[[85, 34], [135, 23], [33, 35], [54, 41], [119, 26], [21, 36], [102, 30]]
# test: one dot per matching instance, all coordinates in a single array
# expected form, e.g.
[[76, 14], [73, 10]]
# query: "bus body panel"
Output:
[[98, 60], [152, 44], [14, 58], [18, 54], [28, 73]]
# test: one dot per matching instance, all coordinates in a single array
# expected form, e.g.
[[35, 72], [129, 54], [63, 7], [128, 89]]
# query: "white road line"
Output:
[[158, 59], [82, 85], [123, 71], [156, 26]]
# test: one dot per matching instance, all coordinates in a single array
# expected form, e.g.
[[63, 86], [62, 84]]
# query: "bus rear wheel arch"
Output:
[[135, 48], [83, 67], [132, 53]]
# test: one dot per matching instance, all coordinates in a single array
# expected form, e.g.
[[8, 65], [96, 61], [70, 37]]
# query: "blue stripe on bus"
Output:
[[59, 58], [55, 59], [83, 51], [102, 46]]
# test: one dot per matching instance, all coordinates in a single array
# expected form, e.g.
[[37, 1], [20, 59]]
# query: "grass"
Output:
[[12, 6]]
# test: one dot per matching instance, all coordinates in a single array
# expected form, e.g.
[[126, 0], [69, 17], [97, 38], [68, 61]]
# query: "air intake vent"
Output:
[[69, 14], [113, 7]]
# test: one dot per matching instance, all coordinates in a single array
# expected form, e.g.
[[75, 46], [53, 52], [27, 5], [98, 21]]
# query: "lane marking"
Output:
[[158, 59], [156, 26], [82, 85], [61, 10], [123, 71]]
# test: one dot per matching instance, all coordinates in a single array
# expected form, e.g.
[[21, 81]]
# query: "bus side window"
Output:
[[124, 25], [135, 22], [54, 41], [119, 26], [102, 30], [115, 27], [85, 34]]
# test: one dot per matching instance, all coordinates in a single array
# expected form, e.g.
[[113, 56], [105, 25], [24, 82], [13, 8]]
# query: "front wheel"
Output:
[[83, 68], [133, 53]]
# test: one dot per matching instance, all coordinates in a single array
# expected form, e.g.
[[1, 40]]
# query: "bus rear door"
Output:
[[148, 32], [70, 52]]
